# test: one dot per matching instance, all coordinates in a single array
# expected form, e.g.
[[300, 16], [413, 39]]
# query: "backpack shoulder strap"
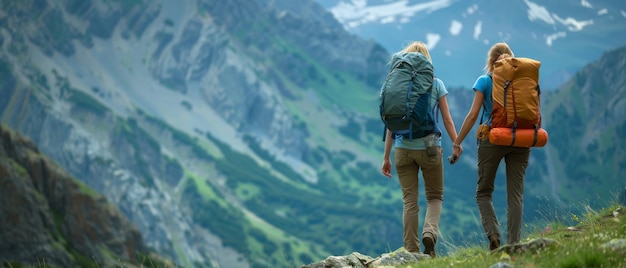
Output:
[[436, 106]]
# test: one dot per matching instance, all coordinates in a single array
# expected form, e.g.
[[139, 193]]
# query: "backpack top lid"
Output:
[[411, 75], [416, 60], [408, 67], [512, 68]]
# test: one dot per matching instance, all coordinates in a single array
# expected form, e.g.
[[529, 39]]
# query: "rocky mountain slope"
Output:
[[231, 133], [194, 124], [49, 218], [587, 154]]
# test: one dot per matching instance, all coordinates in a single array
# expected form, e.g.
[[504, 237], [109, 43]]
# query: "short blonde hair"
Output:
[[417, 46], [497, 50]]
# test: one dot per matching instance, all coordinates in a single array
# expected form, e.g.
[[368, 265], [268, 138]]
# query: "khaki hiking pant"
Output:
[[516, 160], [408, 163]]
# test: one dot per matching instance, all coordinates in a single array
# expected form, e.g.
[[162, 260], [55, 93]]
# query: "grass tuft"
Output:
[[592, 241]]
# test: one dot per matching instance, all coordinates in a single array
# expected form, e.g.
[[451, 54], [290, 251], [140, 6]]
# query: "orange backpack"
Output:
[[516, 104]]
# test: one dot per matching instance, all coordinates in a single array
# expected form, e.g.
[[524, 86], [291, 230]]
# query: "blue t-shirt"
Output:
[[418, 143], [483, 84]]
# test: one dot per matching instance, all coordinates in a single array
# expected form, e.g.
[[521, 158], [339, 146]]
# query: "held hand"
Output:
[[457, 150], [386, 169], [452, 159]]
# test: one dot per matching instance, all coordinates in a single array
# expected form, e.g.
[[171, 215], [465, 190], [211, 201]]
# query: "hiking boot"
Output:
[[429, 247], [494, 242]]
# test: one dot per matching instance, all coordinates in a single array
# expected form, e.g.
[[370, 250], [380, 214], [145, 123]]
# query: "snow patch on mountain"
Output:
[[357, 12], [432, 39], [478, 29], [456, 27], [552, 37], [470, 10], [572, 24], [537, 12]]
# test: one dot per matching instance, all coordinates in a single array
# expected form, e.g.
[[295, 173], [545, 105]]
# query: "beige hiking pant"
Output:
[[516, 160], [408, 163]]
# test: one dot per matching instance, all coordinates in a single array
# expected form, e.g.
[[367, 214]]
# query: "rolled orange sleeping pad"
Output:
[[523, 137]]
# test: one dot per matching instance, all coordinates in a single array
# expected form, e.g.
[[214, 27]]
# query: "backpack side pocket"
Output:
[[483, 131]]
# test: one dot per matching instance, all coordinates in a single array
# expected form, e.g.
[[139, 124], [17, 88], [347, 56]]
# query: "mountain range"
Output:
[[245, 133], [564, 35]]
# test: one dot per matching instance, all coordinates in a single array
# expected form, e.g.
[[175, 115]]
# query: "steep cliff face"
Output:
[[49, 217], [118, 159], [179, 112]]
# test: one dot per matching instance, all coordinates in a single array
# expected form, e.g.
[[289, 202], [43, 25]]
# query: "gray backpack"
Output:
[[405, 96]]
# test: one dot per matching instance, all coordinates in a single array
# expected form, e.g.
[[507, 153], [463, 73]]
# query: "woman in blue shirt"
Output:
[[490, 156], [409, 157]]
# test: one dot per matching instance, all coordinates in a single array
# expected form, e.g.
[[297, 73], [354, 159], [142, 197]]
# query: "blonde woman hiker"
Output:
[[489, 157], [410, 156]]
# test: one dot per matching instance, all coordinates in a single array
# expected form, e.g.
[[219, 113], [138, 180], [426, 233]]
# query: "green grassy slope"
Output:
[[588, 240]]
